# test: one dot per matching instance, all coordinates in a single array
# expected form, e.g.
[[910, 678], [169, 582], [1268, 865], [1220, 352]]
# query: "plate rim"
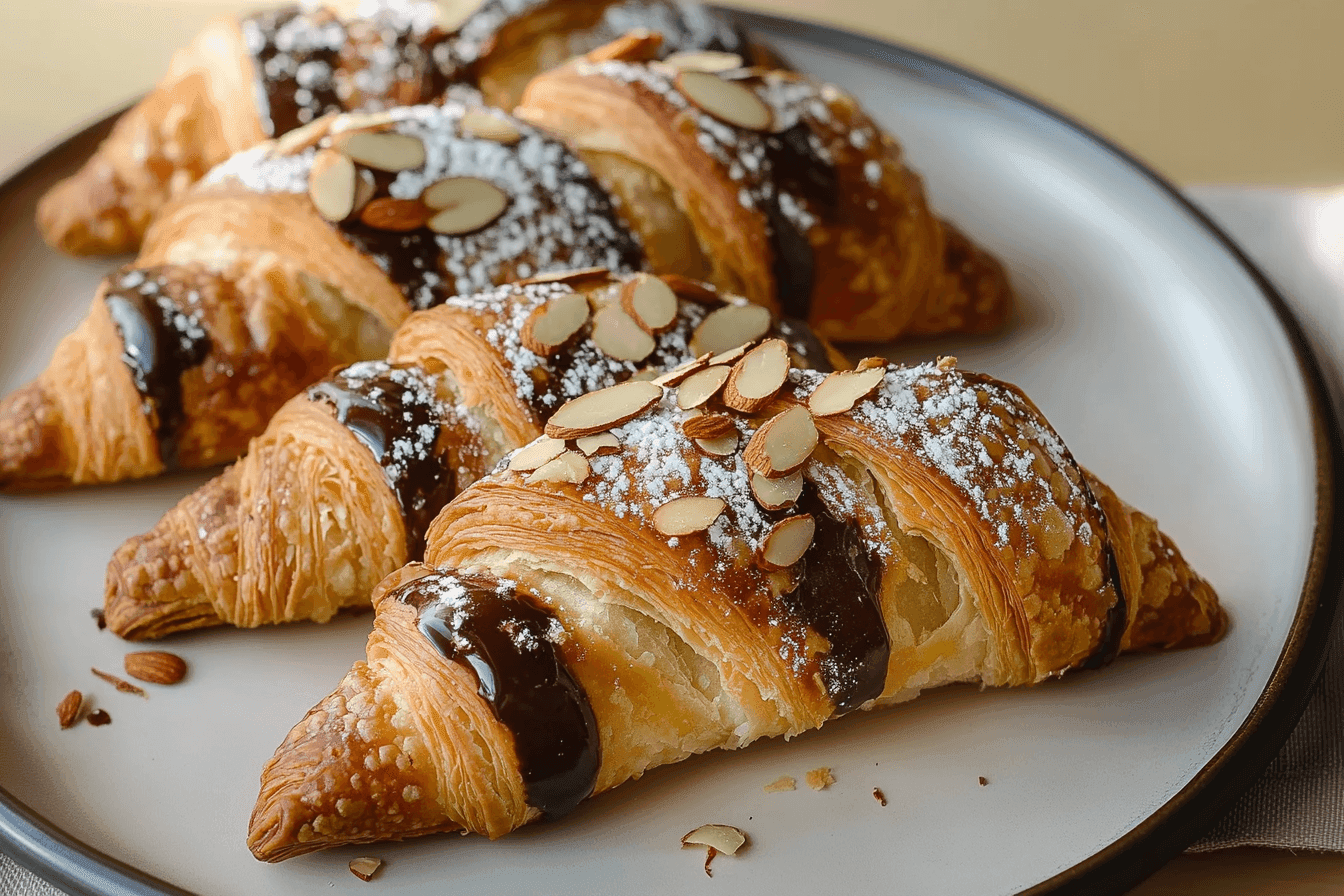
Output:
[[80, 870]]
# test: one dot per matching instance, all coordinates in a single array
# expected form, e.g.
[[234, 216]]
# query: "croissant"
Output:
[[289, 259], [338, 491], [792, 195], [877, 533], [244, 80]]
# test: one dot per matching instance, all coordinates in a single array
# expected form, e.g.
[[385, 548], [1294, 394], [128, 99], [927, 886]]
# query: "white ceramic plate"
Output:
[[1142, 335]]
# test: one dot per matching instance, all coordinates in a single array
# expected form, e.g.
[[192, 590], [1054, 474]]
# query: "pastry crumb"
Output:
[[984, 782], [781, 784], [820, 778], [879, 795], [98, 717]]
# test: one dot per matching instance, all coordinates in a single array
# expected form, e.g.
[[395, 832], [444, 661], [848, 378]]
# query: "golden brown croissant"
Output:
[[339, 490], [243, 80], [287, 260], [788, 194], [566, 634]]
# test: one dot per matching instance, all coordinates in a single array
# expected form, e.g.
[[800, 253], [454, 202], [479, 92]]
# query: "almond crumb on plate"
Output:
[[820, 778], [879, 795], [365, 867], [99, 717], [719, 838]]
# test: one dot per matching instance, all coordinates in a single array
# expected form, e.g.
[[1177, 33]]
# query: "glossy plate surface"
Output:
[[1149, 344]]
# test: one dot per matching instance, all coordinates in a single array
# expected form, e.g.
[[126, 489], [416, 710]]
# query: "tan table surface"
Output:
[[1232, 91]]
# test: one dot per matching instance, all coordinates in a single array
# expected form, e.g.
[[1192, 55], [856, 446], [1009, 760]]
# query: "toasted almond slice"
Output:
[[681, 371], [870, 363], [787, 541], [361, 121], [841, 390], [464, 204], [365, 867], [723, 447], [682, 516], [489, 126], [553, 324], [619, 336], [728, 101], [331, 184], [365, 187], [601, 410], [709, 426], [701, 386], [399, 215], [636, 45], [704, 61], [301, 138], [730, 357], [573, 276], [692, 290], [730, 326], [650, 301], [722, 838], [783, 444], [544, 450], [947, 362], [383, 150], [453, 14], [571, 467], [599, 445], [777, 494], [757, 377]]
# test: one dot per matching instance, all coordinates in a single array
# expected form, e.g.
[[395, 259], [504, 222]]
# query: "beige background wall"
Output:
[[1248, 91]]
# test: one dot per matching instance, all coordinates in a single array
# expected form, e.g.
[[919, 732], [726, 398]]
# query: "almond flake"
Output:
[[709, 426], [619, 336], [721, 837], [682, 516], [488, 126], [599, 445], [601, 410], [681, 371], [385, 151], [331, 184], [729, 327], [650, 301], [777, 494], [718, 447], [692, 290], [636, 45], [535, 454], [464, 204], [453, 14], [305, 137], [728, 101], [841, 390], [704, 61], [365, 187], [870, 363], [783, 444], [571, 467], [787, 542], [399, 215], [701, 386], [365, 867], [555, 323], [757, 377], [573, 276]]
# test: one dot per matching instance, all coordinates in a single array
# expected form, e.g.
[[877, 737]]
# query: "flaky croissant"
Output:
[[243, 80], [287, 260], [339, 490], [568, 634], [786, 191]]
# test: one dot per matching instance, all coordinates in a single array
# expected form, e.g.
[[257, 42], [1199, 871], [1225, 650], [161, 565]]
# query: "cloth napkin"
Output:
[[1297, 238]]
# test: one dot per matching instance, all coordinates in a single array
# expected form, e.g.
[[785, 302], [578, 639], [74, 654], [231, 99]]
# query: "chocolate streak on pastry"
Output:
[[392, 411], [295, 64], [802, 339], [1117, 617], [839, 584], [800, 171], [160, 342], [487, 625]]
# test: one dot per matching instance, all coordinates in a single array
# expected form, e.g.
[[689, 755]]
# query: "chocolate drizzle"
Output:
[[805, 343], [160, 342], [839, 585], [393, 411], [507, 641], [295, 63], [800, 170], [1117, 617]]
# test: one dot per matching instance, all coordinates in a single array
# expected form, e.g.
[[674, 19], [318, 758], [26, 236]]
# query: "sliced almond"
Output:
[[722, 447], [731, 356], [489, 126], [783, 444], [777, 494], [704, 61], [709, 426], [701, 386], [619, 336], [363, 121], [871, 363], [566, 276], [385, 151], [535, 454], [681, 371], [463, 204], [728, 101], [602, 444], [331, 184], [787, 542], [947, 362], [682, 516], [365, 187], [301, 138], [601, 410], [553, 324], [571, 467], [841, 390], [453, 14], [636, 45], [723, 838], [650, 301], [757, 377], [692, 290], [730, 326], [399, 215], [365, 867]]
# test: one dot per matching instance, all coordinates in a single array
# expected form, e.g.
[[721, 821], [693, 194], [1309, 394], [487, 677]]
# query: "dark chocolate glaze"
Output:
[[839, 585], [276, 70], [800, 171], [805, 343], [160, 342], [1117, 617], [498, 632], [401, 423]]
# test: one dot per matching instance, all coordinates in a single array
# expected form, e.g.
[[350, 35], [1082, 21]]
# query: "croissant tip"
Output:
[[82, 215], [132, 609], [32, 456]]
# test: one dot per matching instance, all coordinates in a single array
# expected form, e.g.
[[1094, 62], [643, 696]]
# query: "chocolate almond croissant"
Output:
[[875, 533], [339, 490]]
